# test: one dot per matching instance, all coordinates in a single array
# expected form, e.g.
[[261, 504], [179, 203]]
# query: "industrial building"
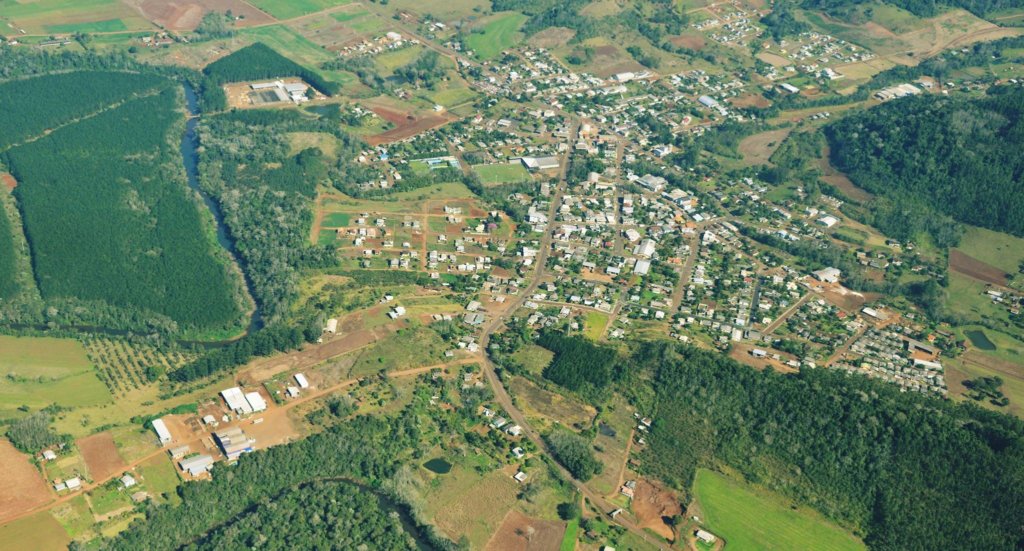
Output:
[[161, 431], [243, 403], [233, 442], [196, 465]]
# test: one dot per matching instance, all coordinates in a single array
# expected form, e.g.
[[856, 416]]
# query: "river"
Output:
[[190, 158]]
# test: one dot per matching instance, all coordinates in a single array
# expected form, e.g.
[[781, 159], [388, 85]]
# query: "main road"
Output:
[[501, 395]]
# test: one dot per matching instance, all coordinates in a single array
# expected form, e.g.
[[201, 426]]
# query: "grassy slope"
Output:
[[749, 520]]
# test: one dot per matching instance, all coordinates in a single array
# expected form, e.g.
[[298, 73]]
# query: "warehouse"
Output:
[[161, 431], [243, 403], [196, 465], [233, 442]]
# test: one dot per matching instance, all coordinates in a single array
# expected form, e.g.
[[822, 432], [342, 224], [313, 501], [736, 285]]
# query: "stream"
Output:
[[190, 158]]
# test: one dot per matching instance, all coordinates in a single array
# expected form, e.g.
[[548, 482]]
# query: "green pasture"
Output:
[[752, 520]]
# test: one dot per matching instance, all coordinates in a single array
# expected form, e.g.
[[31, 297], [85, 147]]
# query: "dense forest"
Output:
[[906, 471], [923, 8], [959, 156], [260, 61], [365, 449], [8, 262], [28, 107], [261, 343], [579, 365], [135, 239], [321, 515]]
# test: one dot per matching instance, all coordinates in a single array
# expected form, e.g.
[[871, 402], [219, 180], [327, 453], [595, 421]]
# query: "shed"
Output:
[[301, 379]]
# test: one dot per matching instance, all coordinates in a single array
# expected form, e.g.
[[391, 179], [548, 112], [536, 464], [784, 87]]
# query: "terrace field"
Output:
[[748, 519]]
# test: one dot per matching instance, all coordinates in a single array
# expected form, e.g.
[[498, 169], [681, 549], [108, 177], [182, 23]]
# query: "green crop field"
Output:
[[107, 26], [502, 173], [749, 520], [287, 9], [499, 34]]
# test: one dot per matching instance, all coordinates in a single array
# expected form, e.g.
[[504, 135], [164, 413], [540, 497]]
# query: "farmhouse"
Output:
[[828, 221], [161, 431]]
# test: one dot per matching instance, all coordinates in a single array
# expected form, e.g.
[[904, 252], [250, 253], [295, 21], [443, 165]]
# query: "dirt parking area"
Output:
[[653, 506], [976, 269], [519, 532], [23, 487], [101, 455]]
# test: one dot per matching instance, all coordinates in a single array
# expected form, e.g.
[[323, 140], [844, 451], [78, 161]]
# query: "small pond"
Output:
[[980, 340], [438, 466]]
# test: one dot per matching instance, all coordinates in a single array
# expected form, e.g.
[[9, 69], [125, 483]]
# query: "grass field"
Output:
[[389, 61], [287, 9], [499, 33], [535, 358], [74, 516], [747, 519], [1001, 250], [284, 39], [571, 533], [39, 532], [69, 16], [336, 220], [452, 96], [502, 173], [594, 324], [38, 372]]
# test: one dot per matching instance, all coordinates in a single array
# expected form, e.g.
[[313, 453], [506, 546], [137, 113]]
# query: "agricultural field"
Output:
[[43, 17], [748, 519], [40, 532], [112, 257], [124, 364], [998, 249], [288, 9], [38, 372], [499, 33], [503, 173]]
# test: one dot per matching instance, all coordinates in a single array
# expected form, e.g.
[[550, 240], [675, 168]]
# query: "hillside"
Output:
[[959, 156]]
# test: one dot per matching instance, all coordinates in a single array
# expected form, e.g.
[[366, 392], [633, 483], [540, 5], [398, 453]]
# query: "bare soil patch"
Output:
[[757, 149], [552, 37], [185, 15], [8, 181], [406, 126], [23, 488], [751, 100], [101, 455], [692, 41], [840, 181], [653, 506], [519, 532], [976, 269]]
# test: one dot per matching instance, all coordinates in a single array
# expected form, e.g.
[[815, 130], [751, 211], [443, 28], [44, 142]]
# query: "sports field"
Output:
[[502, 173], [499, 34], [749, 520]]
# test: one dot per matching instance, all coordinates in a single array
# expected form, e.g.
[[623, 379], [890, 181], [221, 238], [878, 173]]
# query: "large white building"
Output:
[[161, 431]]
